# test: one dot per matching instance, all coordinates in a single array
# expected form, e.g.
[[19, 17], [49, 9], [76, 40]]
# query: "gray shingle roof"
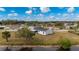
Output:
[[40, 29]]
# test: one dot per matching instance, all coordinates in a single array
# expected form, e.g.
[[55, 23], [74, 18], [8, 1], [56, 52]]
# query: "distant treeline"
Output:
[[8, 21]]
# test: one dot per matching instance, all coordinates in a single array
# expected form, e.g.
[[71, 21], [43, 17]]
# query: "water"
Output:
[[28, 48], [73, 48]]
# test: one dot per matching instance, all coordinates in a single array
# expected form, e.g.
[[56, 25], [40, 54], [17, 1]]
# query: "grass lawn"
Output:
[[40, 39], [52, 39], [13, 40]]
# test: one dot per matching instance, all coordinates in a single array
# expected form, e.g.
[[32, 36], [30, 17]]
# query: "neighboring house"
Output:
[[70, 25], [32, 28], [11, 27], [14, 27], [41, 30], [2, 27]]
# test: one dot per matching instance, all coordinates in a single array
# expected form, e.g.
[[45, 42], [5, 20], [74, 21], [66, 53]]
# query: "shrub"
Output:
[[64, 43]]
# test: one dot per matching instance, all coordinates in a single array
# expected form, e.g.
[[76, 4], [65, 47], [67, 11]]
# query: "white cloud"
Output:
[[72, 14], [51, 17], [68, 15], [29, 12], [40, 15], [71, 9], [77, 16], [44, 9], [57, 18], [65, 15], [34, 9], [2, 9], [13, 14], [12, 11]]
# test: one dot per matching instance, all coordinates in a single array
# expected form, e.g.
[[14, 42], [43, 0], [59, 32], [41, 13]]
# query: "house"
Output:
[[41, 30], [70, 25], [2, 27], [45, 31], [11, 27], [32, 28]]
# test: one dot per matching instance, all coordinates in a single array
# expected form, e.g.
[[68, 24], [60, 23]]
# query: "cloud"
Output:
[[28, 12], [34, 9], [13, 14], [40, 15], [65, 15], [77, 16], [51, 17], [12, 11], [2, 9], [71, 9], [57, 18], [44, 9], [72, 14]]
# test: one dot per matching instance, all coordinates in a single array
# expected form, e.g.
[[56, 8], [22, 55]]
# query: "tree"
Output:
[[59, 24], [25, 33], [6, 35], [9, 22], [64, 44]]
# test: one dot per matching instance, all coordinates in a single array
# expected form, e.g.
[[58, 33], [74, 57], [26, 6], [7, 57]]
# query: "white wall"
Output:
[[63, 30], [31, 28], [42, 32], [45, 32]]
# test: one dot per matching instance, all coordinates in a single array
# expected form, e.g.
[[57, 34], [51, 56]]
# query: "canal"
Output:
[[21, 48]]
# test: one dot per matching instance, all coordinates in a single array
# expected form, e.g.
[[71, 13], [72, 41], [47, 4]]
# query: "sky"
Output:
[[40, 13]]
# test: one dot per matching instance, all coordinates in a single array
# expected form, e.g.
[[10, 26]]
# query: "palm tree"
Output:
[[64, 44], [6, 35]]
